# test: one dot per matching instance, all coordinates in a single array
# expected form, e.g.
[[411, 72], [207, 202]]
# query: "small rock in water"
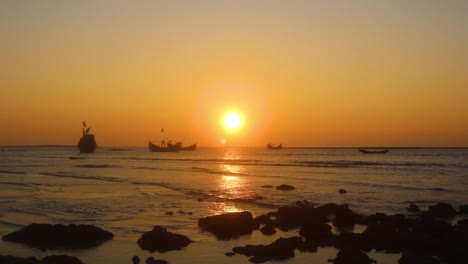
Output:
[[169, 213], [352, 256], [342, 191], [442, 210], [267, 186], [281, 249], [180, 211], [413, 208], [463, 209], [159, 239], [47, 236], [151, 260], [229, 254], [61, 259], [189, 213], [268, 230], [229, 225], [285, 187], [135, 260]]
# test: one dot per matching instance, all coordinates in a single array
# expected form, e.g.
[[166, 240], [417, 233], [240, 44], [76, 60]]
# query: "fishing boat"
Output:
[[374, 151], [181, 148], [273, 146], [155, 148], [87, 143]]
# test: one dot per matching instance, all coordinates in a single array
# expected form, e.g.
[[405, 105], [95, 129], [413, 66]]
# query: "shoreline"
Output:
[[311, 230]]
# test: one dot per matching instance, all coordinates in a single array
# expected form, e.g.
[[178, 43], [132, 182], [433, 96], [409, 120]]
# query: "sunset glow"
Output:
[[309, 73]]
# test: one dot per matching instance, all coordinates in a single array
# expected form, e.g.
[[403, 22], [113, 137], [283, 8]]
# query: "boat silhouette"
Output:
[[163, 148], [273, 146], [181, 148], [87, 144], [374, 151]]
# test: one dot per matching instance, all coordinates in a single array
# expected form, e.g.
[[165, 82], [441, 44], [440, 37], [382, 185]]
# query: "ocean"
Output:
[[128, 190]]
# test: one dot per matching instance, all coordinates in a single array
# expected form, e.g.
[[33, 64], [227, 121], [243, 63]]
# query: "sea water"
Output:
[[129, 190]]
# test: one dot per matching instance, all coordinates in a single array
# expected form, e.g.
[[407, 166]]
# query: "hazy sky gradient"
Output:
[[307, 73]]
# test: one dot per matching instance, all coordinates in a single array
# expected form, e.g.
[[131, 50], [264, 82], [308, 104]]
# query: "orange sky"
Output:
[[305, 73]]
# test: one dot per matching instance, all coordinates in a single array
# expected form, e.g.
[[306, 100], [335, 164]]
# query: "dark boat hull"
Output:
[[271, 146], [178, 145], [87, 144], [374, 151], [155, 148]]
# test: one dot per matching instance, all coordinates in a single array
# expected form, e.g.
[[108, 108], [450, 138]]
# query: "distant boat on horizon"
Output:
[[181, 148], [374, 151], [163, 148], [273, 146], [87, 143]]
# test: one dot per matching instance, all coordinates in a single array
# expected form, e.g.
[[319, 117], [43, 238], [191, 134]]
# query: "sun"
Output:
[[232, 121]]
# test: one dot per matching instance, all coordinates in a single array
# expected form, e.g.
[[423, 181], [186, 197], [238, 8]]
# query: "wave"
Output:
[[213, 160], [164, 185], [98, 178], [19, 184], [12, 172], [95, 166], [352, 164]]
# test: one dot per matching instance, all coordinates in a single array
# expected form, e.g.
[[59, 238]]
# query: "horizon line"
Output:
[[292, 147]]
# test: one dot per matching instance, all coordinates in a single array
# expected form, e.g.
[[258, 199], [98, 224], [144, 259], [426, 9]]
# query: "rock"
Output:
[[289, 217], [135, 260], [443, 210], [285, 187], [53, 259], [61, 259], [413, 208], [281, 249], [344, 217], [262, 219], [169, 213], [17, 260], [351, 255], [46, 236], [463, 209], [229, 254], [268, 230], [180, 211], [342, 191], [229, 225], [317, 232], [151, 260], [412, 257], [159, 239], [328, 209]]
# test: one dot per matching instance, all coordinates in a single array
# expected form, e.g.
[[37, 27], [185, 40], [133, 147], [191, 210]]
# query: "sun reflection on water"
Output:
[[232, 187], [225, 208]]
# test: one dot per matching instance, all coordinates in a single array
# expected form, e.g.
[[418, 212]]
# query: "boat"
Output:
[[189, 148], [181, 148], [155, 148], [374, 151], [87, 143], [273, 146]]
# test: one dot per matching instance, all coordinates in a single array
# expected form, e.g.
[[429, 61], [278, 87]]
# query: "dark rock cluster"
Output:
[[47, 236], [53, 259], [285, 187], [229, 225], [425, 237], [159, 239], [281, 249]]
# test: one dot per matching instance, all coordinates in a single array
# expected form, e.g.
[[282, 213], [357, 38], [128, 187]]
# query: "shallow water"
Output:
[[129, 190]]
